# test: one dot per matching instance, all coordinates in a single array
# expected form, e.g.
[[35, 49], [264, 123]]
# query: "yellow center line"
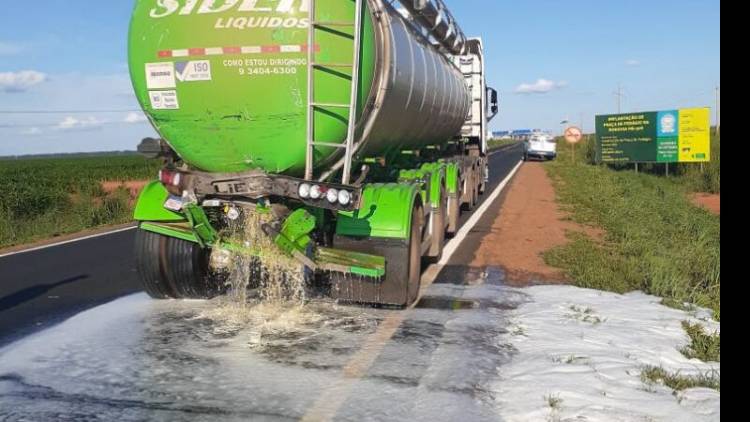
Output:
[[329, 403]]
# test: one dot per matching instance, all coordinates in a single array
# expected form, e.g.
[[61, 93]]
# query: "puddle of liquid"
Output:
[[464, 275], [447, 303]]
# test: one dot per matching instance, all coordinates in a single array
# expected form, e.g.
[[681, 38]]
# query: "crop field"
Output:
[[47, 197]]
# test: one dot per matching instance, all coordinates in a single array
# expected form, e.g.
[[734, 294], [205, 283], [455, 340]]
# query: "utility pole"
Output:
[[619, 95], [582, 128]]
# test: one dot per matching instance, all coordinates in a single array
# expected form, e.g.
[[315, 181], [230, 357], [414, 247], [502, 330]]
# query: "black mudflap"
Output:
[[391, 290]]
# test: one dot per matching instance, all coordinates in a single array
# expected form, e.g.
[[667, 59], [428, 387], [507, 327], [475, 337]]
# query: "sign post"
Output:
[[573, 135]]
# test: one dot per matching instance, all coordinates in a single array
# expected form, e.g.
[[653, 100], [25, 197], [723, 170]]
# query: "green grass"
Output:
[[678, 382], [553, 401], [707, 179], [692, 176], [499, 143], [48, 197], [656, 240], [703, 346]]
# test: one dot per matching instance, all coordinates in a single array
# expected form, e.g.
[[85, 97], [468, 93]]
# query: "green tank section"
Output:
[[225, 82]]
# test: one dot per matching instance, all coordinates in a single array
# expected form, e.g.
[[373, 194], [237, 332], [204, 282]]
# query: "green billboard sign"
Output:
[[672, 136]]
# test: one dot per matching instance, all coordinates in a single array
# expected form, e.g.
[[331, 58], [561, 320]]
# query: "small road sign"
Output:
[[573, 135]]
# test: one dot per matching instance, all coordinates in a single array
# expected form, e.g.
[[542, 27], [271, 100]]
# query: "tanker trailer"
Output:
[[358, 127]]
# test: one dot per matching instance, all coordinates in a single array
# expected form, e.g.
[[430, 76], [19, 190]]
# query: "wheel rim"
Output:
[[441, 222]]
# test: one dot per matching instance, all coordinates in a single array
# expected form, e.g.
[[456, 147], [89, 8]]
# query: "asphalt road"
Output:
[[44, 287]]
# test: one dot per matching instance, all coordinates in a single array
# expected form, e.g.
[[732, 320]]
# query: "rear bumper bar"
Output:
[[256, 185]]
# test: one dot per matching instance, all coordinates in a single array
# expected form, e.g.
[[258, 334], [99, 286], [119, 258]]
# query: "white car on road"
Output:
[[541, 146]]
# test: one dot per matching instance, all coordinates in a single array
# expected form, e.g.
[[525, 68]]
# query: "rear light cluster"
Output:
[[170, 178], [317, 192]]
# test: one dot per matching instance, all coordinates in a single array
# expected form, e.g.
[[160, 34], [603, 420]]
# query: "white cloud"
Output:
[[20, 81], [73, 123], [135, 118], [107, 132], [9, 48], [541, 86], [633, 62]]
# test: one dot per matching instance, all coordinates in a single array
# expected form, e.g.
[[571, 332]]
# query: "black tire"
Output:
[[474, 186], [413, 277], [171, 268], [454, 213], [454, 209], [401, 284], [477, 178], [470, 187], [438, 228], [483, 178]]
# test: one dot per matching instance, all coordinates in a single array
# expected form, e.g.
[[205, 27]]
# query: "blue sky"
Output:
[[549, 59]]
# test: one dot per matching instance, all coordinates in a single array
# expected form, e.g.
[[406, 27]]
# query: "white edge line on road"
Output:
[[93, 236], [454, 243]]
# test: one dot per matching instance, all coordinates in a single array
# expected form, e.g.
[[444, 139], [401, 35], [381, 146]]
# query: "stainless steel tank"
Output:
[[420, 96]]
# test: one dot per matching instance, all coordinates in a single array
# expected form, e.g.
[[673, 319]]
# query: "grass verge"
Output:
[[656, 240], [678, 382], [703, 346]]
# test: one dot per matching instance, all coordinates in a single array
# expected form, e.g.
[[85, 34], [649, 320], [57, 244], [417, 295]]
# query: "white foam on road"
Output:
[[586, 350], [502, 359], [106, 331]]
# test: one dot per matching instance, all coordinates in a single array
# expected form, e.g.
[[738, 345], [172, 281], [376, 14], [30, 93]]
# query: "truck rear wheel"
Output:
[[438, 227], [478, 177], [454, 213], [413, 275], [483, 185], [172, 268], [401, 283], [472, 187]]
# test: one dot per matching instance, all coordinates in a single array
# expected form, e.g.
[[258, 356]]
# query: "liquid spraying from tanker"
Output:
[[266, 288]]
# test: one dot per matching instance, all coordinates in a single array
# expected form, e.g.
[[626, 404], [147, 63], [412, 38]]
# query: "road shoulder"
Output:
[[528, 223], [66, 238]]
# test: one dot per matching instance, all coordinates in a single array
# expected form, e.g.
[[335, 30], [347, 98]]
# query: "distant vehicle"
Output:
[[540, 145]]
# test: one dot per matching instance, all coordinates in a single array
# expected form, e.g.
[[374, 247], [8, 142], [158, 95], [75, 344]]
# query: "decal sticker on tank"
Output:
[[164, 100], [160, 75], [236, 50], [193, 71]]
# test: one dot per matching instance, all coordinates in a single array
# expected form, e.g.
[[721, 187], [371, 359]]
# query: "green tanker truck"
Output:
[[359, 126]]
